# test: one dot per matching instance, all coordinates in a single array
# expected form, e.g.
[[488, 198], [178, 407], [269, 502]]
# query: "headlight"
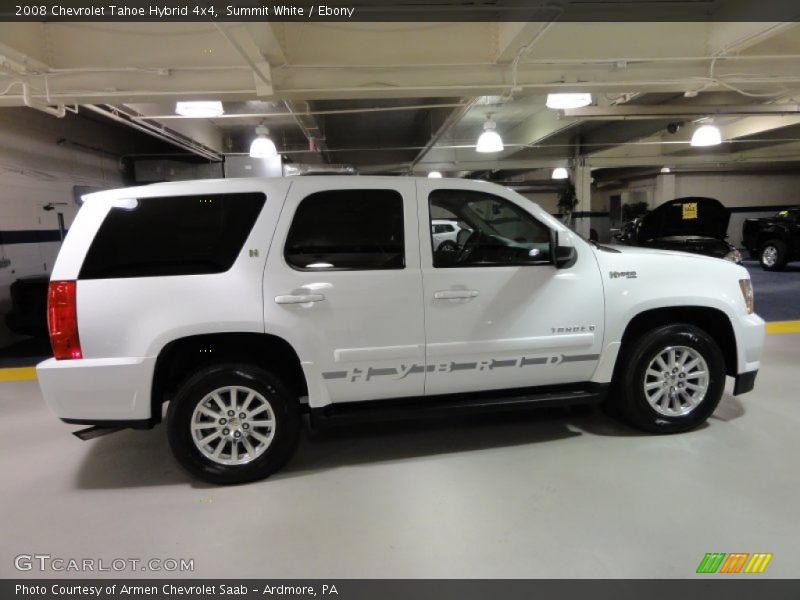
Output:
[[747, 292], [734, 256]]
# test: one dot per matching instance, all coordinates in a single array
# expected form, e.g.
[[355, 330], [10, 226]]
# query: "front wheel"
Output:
[[232, 424], [671, 380]]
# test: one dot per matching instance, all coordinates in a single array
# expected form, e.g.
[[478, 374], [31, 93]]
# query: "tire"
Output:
[[276, 421], [669, 413], [773, 255], [448, 246]]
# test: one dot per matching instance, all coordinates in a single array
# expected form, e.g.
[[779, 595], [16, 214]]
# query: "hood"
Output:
[[695, 216]]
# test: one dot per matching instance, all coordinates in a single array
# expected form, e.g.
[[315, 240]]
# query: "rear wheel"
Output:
[[672, 380], [232, 424], [773, 255]]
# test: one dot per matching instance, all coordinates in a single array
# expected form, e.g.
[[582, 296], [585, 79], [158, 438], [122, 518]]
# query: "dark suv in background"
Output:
[[774, 241]]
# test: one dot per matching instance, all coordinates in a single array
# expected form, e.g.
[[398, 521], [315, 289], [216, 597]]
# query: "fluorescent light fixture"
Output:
[[563, 101], [707, 135], [434, 175], [199, 110], [560, 173], [262, 146], [489, 141], [666, 170]]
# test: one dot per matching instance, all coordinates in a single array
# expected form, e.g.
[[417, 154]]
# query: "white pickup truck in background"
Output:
[[243, 303]]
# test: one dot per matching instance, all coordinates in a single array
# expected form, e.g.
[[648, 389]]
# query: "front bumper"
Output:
[[98, 390]]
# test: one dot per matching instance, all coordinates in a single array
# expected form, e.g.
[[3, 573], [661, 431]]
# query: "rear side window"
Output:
[[176, 235], [347, 230]]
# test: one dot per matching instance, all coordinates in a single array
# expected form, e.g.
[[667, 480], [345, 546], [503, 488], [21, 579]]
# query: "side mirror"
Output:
[[562, 257]]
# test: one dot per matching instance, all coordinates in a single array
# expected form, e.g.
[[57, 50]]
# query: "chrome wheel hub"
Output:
[[769, 256], [676, 381], [233, 425]]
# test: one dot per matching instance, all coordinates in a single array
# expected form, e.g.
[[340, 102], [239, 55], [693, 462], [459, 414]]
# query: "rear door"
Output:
[[343, 286]]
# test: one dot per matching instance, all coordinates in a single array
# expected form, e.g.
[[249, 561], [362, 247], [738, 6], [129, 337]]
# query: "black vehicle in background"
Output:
[[692, 224], [28, 314], [774, 241]]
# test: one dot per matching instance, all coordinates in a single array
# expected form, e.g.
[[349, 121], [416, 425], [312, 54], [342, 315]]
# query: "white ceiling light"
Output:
[[262, 146], [434, 175], [666, 170], [707, 135], [489, 141], [560, 173], [199, 110], [564, 101]]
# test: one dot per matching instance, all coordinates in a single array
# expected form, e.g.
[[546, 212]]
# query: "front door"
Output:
[[343, 286], [498, 314]]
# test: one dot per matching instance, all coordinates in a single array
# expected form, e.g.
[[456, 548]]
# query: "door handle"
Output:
[[455, 294], [299, 298]]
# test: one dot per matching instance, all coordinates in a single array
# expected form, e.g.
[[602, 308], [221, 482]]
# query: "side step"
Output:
[[432, 407], [91, 433]]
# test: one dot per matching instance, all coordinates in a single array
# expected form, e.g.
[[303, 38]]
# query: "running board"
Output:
[[432, 407], [97, 431]]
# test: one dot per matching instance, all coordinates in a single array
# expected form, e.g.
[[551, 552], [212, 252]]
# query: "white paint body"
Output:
[[372, 335]]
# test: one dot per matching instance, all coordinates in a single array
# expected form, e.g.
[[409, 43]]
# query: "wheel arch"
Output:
[[711, 320], [181, 357]]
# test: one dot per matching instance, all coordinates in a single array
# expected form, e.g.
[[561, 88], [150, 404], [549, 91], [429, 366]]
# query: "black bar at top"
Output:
[[403, 10]]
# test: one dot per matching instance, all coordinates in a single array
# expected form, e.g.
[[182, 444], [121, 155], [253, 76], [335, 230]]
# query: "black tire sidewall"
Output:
[[780, 262], [635, 406], [286, 413]]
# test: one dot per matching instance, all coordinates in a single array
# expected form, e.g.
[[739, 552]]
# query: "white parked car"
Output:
[[243, 303], [445, 232]]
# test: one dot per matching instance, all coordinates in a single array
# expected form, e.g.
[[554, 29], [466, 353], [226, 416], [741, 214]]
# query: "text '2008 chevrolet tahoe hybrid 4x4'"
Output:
[[243, 303]]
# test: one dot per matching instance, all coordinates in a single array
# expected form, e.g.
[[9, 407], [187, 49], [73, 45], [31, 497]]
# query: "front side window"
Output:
[[347, 230], [178, 235], [492, 231]]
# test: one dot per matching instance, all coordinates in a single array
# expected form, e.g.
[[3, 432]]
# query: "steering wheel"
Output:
[[468, 249]]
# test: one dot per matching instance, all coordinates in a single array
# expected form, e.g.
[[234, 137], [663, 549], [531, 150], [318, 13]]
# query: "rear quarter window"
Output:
[[175, 235]]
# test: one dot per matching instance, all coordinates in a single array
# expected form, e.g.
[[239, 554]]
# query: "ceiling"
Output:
[[413, 97]]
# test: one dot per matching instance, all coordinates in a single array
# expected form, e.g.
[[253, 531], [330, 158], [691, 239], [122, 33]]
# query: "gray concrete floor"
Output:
[[549, 494]]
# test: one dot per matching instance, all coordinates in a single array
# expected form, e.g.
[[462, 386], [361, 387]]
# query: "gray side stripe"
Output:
[[581, 357], [335, 375], [361, 374], [532, 361]]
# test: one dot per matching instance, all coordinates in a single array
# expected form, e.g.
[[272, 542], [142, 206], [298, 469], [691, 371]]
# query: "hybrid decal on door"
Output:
[[622, 274], [403, 371]]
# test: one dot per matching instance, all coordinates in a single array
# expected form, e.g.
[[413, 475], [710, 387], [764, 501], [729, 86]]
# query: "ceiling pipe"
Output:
[[666, 111], [310, 113]]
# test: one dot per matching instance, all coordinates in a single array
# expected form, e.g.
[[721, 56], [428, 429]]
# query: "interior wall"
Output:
[[35, 169]]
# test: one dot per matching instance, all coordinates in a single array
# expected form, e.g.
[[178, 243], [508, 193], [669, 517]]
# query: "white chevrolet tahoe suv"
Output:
[[245, 303]]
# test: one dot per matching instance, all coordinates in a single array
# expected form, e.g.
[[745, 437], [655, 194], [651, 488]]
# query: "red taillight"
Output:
[[62, 320]]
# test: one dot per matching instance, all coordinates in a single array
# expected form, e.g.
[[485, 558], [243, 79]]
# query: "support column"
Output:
[[583, 191]]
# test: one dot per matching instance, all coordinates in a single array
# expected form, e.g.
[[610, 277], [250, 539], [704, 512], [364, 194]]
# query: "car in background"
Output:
[[774, 241], [691, 224], [444, 234], [28, 314]]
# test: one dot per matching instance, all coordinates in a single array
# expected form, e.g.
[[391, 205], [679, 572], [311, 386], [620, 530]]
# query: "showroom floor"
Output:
[[552, 494]]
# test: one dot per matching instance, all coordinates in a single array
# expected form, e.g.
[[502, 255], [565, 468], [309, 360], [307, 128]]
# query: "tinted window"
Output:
[[493, 232], [180, 235], [347, 229]]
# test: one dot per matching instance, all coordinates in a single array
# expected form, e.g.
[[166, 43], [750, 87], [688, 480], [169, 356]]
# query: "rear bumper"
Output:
[[91, 391]]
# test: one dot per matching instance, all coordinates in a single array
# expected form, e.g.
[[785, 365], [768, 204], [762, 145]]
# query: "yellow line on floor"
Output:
[[29, 373], [783, 327], [18, 374]]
